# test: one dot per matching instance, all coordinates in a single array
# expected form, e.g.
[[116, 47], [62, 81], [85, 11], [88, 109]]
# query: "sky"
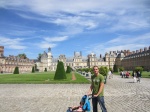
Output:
[[68, 26]]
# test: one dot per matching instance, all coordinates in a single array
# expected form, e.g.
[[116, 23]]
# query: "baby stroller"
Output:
[[84, 105]]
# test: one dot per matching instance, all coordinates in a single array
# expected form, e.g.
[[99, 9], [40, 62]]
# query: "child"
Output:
[[76, 108]]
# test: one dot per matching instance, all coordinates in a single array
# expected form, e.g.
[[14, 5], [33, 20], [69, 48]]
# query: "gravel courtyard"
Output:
[[121, 95]]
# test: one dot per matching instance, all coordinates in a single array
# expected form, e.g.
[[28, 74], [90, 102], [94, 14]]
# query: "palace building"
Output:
[[124, 58], [75, 62], [8, 64], [137, 58]]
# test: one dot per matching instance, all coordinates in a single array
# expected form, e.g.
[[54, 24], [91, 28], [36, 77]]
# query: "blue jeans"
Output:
[[101, 102]]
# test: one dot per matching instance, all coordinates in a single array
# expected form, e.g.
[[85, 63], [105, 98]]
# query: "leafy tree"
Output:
[[60, 71], [16, 71], [115, 68], [103, 70], [39, 56], [91, 70], [33, 70], [86, 69], [139, 69], [23, 56], [121, 69], [68, 69], [110, 69]]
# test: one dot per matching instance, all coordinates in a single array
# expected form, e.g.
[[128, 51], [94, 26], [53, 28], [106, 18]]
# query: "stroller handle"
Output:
[[90, 96]]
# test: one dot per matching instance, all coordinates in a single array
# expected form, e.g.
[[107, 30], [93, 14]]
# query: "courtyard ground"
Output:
[[121, 95]]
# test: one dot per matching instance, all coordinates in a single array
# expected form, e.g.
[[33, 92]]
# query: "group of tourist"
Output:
[[125, 74], [136, 75]]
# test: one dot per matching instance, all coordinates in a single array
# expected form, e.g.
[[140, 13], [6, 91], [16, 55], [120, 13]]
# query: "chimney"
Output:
[[133, 52], [137, 51], [141, 50], [100, 56], [145, 48]]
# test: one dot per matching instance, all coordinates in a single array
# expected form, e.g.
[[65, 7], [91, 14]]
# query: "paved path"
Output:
[[121, 95]]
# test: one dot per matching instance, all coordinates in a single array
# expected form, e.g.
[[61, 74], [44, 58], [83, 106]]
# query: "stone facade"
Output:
[[128, 60], [137, 58], [77, 61], [8, 64], [124, 58]]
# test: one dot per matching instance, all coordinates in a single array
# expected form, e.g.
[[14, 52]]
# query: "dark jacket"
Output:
[[138, 74]]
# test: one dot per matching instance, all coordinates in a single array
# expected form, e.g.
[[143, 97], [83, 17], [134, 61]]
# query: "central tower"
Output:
[[49, 58]]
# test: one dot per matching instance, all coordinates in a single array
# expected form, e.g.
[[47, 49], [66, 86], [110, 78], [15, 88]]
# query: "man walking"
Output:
[[97, 89]]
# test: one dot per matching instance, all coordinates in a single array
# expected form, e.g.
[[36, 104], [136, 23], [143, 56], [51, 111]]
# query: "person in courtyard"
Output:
[[127, 74], [97, 89], [138, 76], [134, 76], [122, 74], [110, 74]]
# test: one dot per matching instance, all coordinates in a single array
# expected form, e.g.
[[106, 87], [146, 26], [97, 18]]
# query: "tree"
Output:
[[91, 70], [33, 70], [16, 71], [39, 56], [121, 69], [115, 68], [103, 70], [138, 69], [68, 69], [23, 56], [60, 71]]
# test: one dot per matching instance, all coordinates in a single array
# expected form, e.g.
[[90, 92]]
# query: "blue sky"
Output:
[[98, 26]]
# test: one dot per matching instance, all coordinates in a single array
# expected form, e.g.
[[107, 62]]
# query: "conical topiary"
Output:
[[45, 70], [60, 71], [16, 71], [33, 70], [68, 69]]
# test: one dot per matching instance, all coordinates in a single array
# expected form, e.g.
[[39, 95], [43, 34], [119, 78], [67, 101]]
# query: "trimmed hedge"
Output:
[[45, 70], [60, 71], [68, 69], [16, 71], [33, 70]]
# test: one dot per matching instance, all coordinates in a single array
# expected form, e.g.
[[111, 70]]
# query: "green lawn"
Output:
[[40, 78], [145, 74]]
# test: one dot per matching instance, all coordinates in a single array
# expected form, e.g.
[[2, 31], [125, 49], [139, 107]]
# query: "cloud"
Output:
[[73, 18], [119, 15], [46, 45], [123, 42], [51, 41], [56, 39], [12, 43]]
